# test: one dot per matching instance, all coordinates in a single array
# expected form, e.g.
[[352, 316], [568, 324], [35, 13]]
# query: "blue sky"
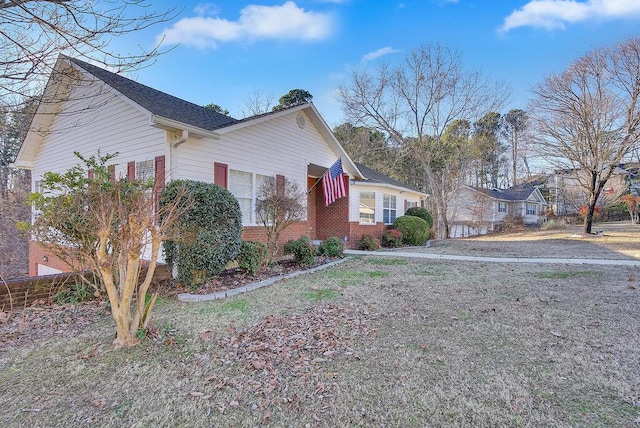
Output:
[[227, 50]]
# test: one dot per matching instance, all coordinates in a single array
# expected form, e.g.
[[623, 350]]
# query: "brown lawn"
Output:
[[376, 341]]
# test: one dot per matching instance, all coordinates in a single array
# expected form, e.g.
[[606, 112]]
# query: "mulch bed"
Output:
[[234, 278]]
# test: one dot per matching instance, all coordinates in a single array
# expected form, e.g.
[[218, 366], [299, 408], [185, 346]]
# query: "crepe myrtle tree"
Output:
[[106, 225], [279, 204]]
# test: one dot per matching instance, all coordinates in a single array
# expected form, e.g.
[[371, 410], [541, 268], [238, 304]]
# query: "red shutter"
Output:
[[131, 170], [112, 173], [158, 183], [280, 185], [346, 184], [220, 174]]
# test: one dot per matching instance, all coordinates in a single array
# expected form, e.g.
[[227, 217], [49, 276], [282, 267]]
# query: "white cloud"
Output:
[[555, 14], [286, 21], [377, 54]]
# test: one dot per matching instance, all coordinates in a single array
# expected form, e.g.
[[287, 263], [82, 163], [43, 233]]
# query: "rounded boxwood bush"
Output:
[[415, 231], [252, 256], [331, 247], [207, 236], [421, 212]]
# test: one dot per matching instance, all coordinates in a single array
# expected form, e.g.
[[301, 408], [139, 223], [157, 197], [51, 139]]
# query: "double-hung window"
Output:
[[245, 187], [530, 209], [367, 208], [502, 207], [388, 208]]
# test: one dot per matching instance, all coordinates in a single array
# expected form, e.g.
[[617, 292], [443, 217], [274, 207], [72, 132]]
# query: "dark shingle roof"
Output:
[[513, 194], [159, 103], [374, 176]]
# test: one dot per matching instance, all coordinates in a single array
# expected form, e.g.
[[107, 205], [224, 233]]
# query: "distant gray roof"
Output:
[[374, 176], [513, 194], [159, 103]]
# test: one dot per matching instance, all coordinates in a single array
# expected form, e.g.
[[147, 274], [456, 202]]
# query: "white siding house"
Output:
[[87, 109]]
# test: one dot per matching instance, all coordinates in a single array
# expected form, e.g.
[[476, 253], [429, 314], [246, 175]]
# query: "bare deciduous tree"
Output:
[[258, 102], [35, 32], [416, 102], [280, 203], [587, 118], [107, 226]]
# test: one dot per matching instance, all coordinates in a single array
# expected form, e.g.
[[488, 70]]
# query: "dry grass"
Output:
[[424, 343]]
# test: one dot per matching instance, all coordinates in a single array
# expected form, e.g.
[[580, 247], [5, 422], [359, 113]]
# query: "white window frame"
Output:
[[388, 208], [146, 171], [502, 207], [250, 195], [373, 206], [530, 209]]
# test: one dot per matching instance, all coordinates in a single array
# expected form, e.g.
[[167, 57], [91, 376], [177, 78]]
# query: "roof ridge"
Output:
[[158, 102]]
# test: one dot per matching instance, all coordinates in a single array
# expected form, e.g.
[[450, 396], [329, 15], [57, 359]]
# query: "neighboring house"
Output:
[[86, 108], [568, 194], [375, 202], [478, 211]]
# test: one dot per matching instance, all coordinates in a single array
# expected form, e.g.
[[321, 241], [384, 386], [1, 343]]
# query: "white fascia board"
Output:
[[165, 123], [389, 186]]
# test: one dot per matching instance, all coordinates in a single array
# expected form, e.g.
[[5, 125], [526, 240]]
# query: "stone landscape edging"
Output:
[[195, 298]]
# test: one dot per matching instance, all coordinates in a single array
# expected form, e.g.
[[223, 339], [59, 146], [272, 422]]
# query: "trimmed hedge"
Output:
[[207, 236], [415, 231], [421, 212]]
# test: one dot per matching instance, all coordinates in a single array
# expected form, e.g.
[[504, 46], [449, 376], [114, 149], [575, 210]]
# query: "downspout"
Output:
[[184, 136]]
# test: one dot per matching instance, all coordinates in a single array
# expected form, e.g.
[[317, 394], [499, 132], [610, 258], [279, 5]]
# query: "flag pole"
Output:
[[315, 184], [318, 180]]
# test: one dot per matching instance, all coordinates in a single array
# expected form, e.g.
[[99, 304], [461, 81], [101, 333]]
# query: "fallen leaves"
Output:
[[284, 356]]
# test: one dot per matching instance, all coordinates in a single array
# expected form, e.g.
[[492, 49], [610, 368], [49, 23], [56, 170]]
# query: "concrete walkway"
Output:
[[418, 255]]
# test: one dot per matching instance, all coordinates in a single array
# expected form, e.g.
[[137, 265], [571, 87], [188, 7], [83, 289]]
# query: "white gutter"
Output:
[[170, 123]]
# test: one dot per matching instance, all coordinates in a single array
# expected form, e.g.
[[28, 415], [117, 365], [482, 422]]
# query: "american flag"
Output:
[[333, 186]]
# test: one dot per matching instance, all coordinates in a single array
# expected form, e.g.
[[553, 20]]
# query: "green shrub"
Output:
[[392, 238], [75, 293], [252, 256], [415, 231], [302, 250], [423, 213], [331, 247], [368, 243], [207, 235]]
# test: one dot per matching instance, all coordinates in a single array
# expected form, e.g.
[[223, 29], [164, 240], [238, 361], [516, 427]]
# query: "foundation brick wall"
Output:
[[359, 230], [332, 220], [39, 255]]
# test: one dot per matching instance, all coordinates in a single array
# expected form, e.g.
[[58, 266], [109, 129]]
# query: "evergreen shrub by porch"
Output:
[[421, 212], [331, 247], [302, 250], [208, 234], [252, 256], [368, 243], [392, 238], [415, 231]]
